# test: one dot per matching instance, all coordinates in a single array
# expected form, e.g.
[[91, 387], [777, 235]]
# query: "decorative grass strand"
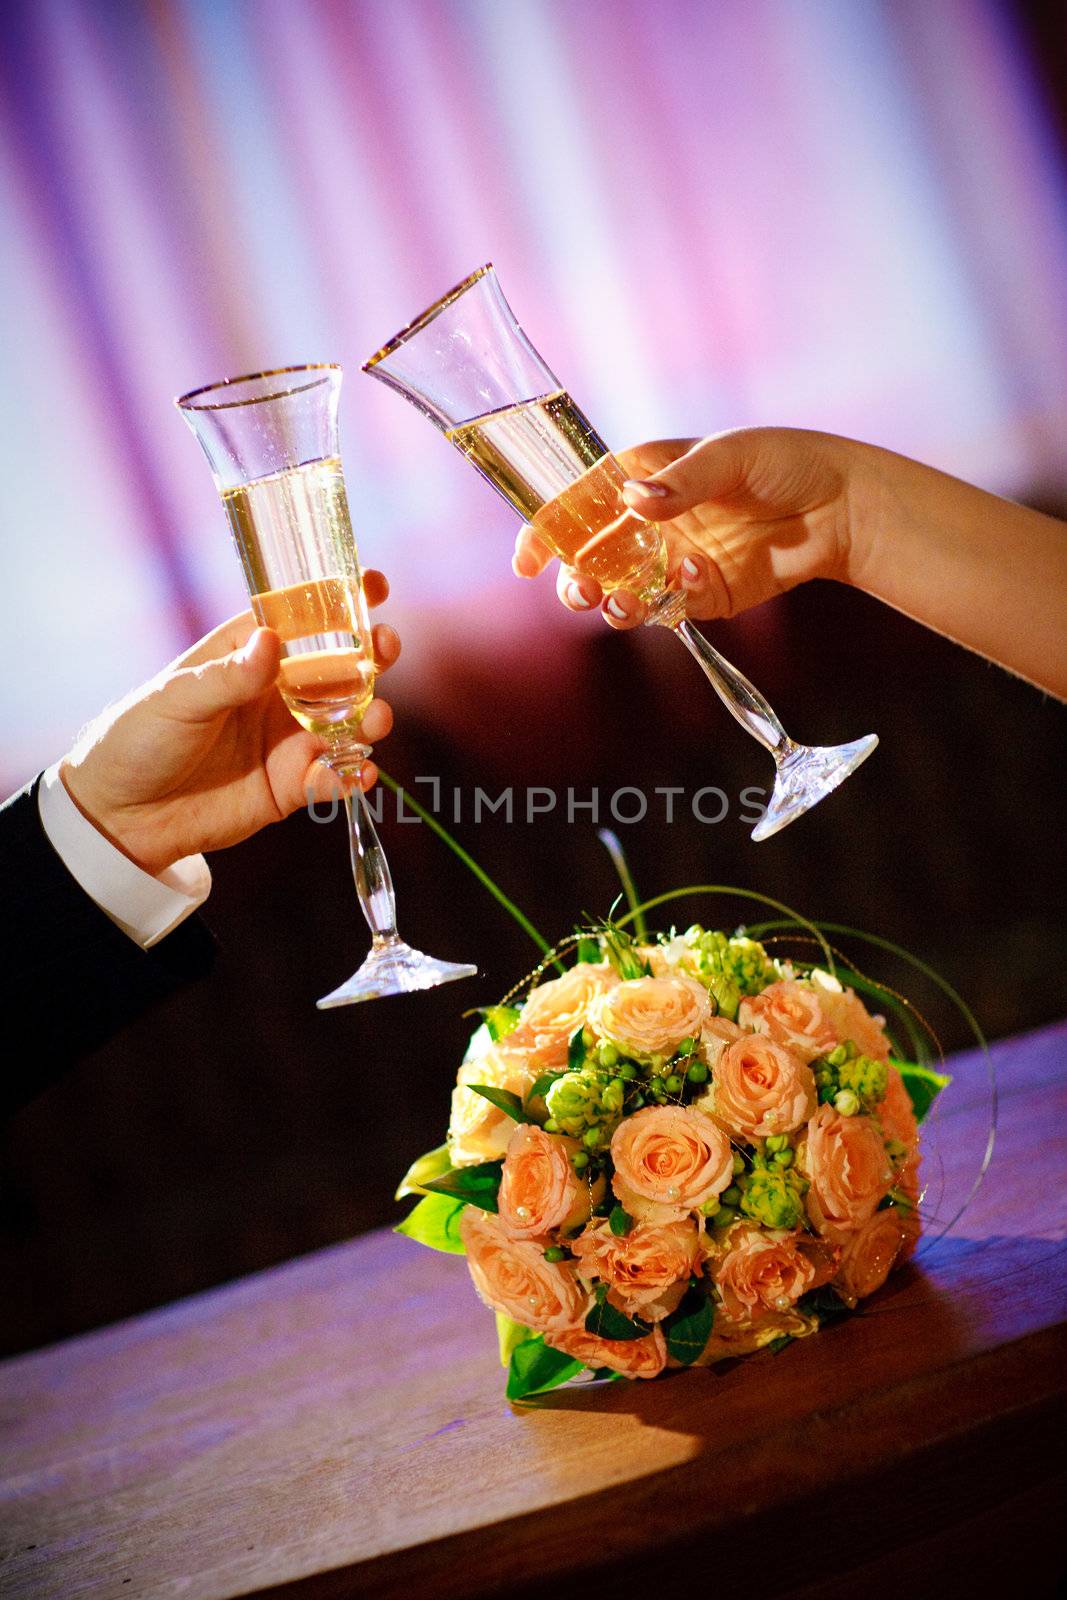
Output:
[[611, 844], [472, 866], [742, 894]]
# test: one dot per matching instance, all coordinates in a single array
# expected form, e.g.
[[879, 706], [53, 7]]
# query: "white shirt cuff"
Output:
[[145, 908]]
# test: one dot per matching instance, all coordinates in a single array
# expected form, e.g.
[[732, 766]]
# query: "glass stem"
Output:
[[370, 869], [743, 701]]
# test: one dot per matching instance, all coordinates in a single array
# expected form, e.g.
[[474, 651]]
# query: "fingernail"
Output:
[[639, 487], [690, 570], [617, 610], [576, 598]]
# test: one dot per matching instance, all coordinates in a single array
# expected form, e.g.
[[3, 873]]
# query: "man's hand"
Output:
[[207, 753]]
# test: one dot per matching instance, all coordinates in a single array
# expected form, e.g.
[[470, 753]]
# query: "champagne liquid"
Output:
[[546, 459], [285, 525]]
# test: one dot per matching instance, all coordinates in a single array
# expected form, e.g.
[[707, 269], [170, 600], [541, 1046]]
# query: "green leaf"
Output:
[[576, 1051], [923, 1085], [589, 950], [535, 1368], [435, 1222], [688, 1328], [478, 1184], [824, 1303], [607, 1323], [501, 1020], [619, 947], [503, 1099], [509, 1334], [620, 1221], [541, 1086], [776, 1346], [431, 1165]]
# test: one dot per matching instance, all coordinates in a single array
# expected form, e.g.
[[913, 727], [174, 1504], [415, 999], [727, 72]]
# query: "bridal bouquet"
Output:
[[680, 1149]]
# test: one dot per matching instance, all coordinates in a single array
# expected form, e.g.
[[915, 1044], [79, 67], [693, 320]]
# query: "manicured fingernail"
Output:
[[649, 490], [690, 570], [617, 610], [576, 598]]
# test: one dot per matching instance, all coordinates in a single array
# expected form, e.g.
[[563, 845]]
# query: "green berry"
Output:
[[591, 1138], [723, 1217], [673, 1084], [553, 1253], [698, 1072], [772, 1197], [579, 1161], [710, 1207], [783, 1158], [731, 1196], [738, 1163], [607, 1054], [627, 1072], [777, 1141]]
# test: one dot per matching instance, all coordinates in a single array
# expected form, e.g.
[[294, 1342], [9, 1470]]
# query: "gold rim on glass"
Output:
[[185, 402], [426, 316]]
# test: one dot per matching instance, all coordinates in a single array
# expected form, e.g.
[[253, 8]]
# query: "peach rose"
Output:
[[761, 1271], [870, 1254], [790, 1014], [478, 1130], [512, 1275], [633, 1358], [909, 1186], [651, 1016], [822, 1256], [849, 1017], [761, 1088], [668, 1161], [895, 1112], [731, 1339], [715, 1035], [539, 1189], [644, 1268], [555, 1010], [845, 1159]]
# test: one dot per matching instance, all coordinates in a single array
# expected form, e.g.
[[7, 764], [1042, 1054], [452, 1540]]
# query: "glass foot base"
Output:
[[395, 968], [807, 776]]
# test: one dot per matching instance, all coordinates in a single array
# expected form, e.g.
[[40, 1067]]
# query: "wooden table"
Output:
[[337, 1427]]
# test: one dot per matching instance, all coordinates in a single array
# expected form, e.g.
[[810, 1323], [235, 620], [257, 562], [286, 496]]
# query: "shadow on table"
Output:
[[824, 1371]]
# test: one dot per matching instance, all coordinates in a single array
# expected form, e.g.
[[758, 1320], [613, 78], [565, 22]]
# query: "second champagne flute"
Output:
[[467, 365], [271, 441]]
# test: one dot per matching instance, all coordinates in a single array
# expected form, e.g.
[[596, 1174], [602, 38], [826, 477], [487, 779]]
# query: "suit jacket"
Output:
[[69, 978]]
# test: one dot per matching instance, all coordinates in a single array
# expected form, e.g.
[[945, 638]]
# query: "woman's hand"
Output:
[[746, 515], [207, 753]]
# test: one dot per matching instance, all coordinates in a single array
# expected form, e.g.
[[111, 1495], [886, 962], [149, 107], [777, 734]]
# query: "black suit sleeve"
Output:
[[69, 978]]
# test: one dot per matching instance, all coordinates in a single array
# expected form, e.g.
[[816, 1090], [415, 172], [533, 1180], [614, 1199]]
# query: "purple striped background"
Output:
[[842, 215]]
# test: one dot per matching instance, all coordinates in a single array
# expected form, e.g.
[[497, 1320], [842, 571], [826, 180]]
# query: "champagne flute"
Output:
[[271, 441], [467, 365]]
